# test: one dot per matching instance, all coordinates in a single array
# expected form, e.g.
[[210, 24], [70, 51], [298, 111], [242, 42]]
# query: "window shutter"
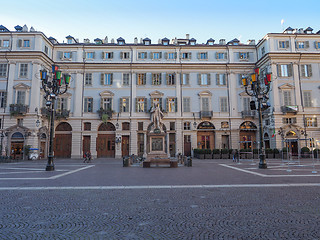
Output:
[[84, 55], [102, 55], [315, 122], [166, 55], [217, 79], [180, 55], [188, 77], [303, 71], [160, 103], [217, 55], [175, 55], [137, 77], [111, 78], [111, 54], [189, 55], [224, 79], [151, 55], [279, 70], [239, 55], [94, 55], [60, 54], [139, 55], [121, 55], [167, 104], [284, 120], [209, 78], [287, 44], [316, 44], [289, 70], [19, 43], [248, 55], [198, 55], [70, 54], [0, 43], [160, 55], [102, 79], [120, 104], [101, 102], [144, 78], [199, 79], [225, 55], [279, 43], [160, 78], [176, 104], [167, 78], [309, 70], [296, 44], [306, 44], [152, 101], [136, 104], [145, 105]]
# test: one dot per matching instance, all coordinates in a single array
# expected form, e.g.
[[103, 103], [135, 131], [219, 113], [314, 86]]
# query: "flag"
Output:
[[253, 77], [257, 71], [274, 132]]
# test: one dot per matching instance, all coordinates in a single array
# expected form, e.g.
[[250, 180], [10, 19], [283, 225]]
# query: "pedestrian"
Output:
[[87, 157]]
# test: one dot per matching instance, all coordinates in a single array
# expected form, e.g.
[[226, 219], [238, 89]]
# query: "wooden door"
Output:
[[106, 145], [62, 145], [17, 150], [187, 145], [86, 144], [205, 140], [125, 146], [42, 150]]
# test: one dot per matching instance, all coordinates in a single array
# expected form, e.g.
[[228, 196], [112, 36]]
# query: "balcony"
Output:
[[206, 114], [289, 109], [59, 114], [18, 109], [248, 114], [104, 114]]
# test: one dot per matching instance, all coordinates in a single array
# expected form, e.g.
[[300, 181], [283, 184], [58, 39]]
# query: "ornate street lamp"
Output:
[[259, 90], [53, 85]]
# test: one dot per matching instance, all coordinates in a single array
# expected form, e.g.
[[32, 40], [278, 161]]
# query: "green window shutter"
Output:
[[120, 105], [176, 104], [160, 103], [279, 70], [102, 55], [94, 55], [289, 70], [0, 43], [198, 55], [217, 55], [224, 79], [217, 79], [102, 79], [136, 104], [70, 54], [209, 78], [167, 78], [175, 55], [248, 55], [188, 77], [111, 55], [167, 104], [287, 44], [166, 55], [306, 44], [303, 71], [139, 55], [160, 78], [145, 105], [309, 70], [296, 44], [279, 43], [151, 55], [19, 43], [111, 80], [225, 55], [316, 44], [199, 79], [137, 77], [85, 105], [239, 55]]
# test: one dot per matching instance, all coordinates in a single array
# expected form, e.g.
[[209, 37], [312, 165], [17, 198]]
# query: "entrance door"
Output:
[[172, 144], [86, 144], [42, 150], [106, 145], [205, 140], [17, 150], [125, 146], [187, 145], [62, 145]]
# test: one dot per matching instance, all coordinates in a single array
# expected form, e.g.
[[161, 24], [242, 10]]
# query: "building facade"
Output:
[[198, 87]]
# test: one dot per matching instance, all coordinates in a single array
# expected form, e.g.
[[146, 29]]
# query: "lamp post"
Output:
[[259, 91], [53, 85]]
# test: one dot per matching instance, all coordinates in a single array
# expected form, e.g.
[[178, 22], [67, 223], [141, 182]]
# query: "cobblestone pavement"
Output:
[[105, 201]]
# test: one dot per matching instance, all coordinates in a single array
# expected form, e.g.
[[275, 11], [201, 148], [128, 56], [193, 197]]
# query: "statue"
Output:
[[156, 116]]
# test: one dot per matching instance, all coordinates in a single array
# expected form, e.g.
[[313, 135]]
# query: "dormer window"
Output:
[[146, 41], [121, 41], [192, 41], [210, 41], [69, 41], [165, 41], [289, 30], [308, 30]]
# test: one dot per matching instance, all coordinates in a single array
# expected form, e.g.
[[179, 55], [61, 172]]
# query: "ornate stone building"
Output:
[[198, 87]]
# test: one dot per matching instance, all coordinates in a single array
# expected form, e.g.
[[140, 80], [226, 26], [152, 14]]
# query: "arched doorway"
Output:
[[292, 142], [106, 140], [248, 132], [63, 140], [43, 144], [266, 140], [17, 143], [205, 135]]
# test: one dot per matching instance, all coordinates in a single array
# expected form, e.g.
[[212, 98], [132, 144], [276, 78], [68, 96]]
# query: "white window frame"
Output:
[[3, 99], [187, 126], [90, 55], [108, 79], [221, 55], [311, 122], [171, 79], [186, 104], [223, 104], [306, 70], [23, 70], [3, 70], [67, 55], [171, 104], [307, 99], [88, 105], [107, 55], [7, 45], [287, 98], [221, 79], [244, 56], [203, 55], [62, 103], [125, 79], [107, 103], [88, 79], [185, 79], [26, 43], [283, 44], [125, 55], [156, 79], [141, 104], [124, 104], [156, 55], [171, 56], [141, 79], [21, 97], [186, 55]]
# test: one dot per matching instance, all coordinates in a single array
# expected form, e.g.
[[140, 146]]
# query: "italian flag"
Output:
[[274, 132]]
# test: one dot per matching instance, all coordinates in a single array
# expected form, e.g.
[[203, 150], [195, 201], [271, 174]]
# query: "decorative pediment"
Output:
[[16, 128], [286, 86], [156, 94], [106, 94], [21, 86], [205, 93]]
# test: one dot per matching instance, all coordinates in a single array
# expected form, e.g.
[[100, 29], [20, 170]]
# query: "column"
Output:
[[11, 77], [178, 94], [275, 89], [35, 89], [233, 96], [297, 92], [78, 98]]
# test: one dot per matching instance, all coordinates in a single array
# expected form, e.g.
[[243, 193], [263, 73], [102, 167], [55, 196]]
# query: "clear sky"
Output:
[[202, 19]]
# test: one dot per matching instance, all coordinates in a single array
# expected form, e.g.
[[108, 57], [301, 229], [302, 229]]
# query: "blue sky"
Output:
[[155, 19]]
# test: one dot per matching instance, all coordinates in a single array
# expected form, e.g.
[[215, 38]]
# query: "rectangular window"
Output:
[[311, 122], [46, 49], [124, 104], [204, 79], [186, 104], [23, 70], [284, 70], [185, 79], [243, 55], [317, 45], [125, 55], [302, 44], [142, 55], [203, 55], [141, 79], [186, 126], [107, 103], [171, 105], [108, 79], [221, 80], [141, 105], [3, 99], [156, 78], [156, 55], [186, 55], [172, 126], [88, 104], [90, 55], [287, 98], [223, 104], [21, 97], [107, 55], [246, 104], [26, 43], [171, 79], [88, 79], [263, 51], [125, 79], [205, 104], [6, 43], [62, 103], [307, 102], [67, 55], [140, 126], [221, 55], [289, 120], [283, 44], [3, 70], [172, 55], [306, 70]]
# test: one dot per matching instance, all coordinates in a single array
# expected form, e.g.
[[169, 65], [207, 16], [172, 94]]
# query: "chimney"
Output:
[[222, 42], [187, 36]]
